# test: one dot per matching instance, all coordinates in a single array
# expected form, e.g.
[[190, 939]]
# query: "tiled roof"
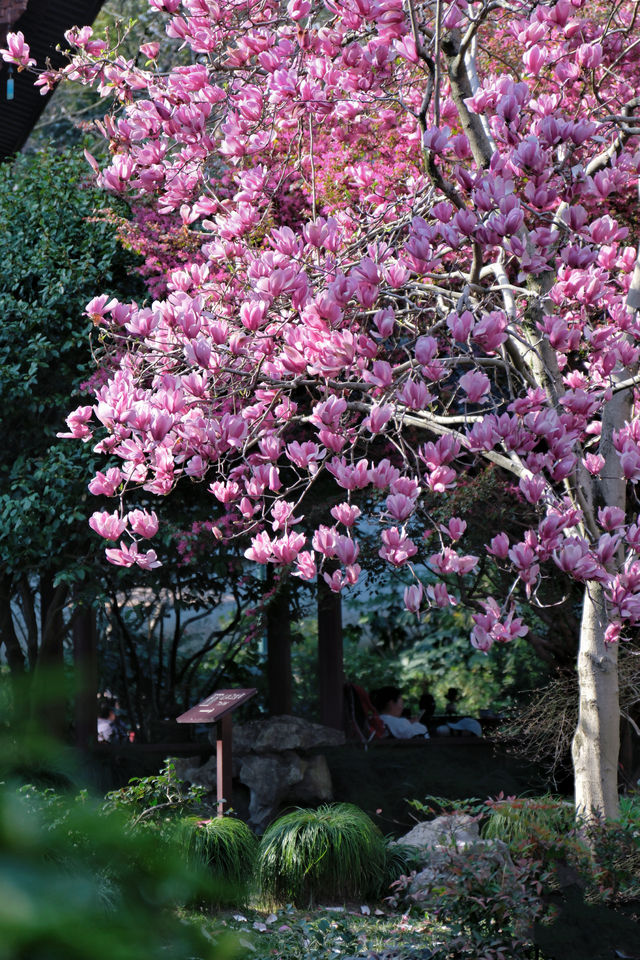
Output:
[[43, 24]]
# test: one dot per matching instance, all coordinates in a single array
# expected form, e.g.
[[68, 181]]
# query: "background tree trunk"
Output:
[[279, 652], [85, 658], [330, 656], [48, 691], [596, 742]]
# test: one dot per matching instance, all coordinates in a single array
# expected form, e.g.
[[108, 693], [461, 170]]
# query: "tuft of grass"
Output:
[[333, 853], [228, 849], [516, 819]]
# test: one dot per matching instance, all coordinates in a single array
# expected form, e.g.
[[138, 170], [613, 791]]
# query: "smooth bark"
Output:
[[596, 743]]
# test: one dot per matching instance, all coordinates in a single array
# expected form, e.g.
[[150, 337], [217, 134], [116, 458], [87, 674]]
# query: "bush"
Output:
[[160, 798], [81, 885], [515, 819], [228, 849], [488, 902], [333, 853]]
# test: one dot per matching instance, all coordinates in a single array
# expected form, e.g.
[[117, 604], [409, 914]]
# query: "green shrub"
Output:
[[162, 797], [228, 849], [488, 902], [81, 885], [333, 853], [515, 819]]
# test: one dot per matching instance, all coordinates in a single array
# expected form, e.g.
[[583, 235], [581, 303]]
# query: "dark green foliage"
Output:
[[546, 881], [516, 819], [156, 799], [333, 853], [55, 257], [79, 885], [488, 903], [228, 849]]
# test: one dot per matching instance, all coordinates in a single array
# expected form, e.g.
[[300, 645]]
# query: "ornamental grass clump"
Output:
[[333, 853], [228, 849]]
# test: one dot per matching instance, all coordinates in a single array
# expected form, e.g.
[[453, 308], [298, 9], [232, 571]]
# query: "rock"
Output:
[[278, 734], [316, 783], [269, 779], [438, 841], [270, 758], [273, 779], [203, 774], [457, 828], [438, 868], [190, 769]]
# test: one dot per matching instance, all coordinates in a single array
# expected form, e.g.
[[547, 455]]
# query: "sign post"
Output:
[[218, 709]]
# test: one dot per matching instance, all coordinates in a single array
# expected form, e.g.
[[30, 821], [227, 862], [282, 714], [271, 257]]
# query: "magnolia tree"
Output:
[[417, 254]]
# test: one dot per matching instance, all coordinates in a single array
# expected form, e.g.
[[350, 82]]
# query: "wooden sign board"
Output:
[[216, 706]]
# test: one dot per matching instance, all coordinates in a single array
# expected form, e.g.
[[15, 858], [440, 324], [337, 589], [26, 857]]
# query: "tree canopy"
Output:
[[417, 225]]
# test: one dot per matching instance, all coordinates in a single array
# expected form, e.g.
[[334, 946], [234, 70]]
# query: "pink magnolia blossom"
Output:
[[413, 597], [261, 549], [378, 417], [77, 423], [439, 595], [346, 513], [399, 506], [346, 550], [397, 548], [106, 484], [108, 525], [499, 546], [143, 523], [306, 567], [17, 51], [127, 556], [455, 528], [324, 540], [286, 548]]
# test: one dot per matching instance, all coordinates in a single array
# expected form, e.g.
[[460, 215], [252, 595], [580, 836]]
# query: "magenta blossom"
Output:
[[17, 51], [108, 525]]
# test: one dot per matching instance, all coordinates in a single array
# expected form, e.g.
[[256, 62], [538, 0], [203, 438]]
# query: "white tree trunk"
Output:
[[596, 742]]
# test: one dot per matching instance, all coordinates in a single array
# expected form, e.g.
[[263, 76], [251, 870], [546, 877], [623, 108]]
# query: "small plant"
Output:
[[614, 874], [77, 884], [162, 796], [487, 902], [228, 849], [514, 819], [333, 853]]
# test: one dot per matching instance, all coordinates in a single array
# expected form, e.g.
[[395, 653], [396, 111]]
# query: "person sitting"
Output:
[[106, 720], [389, 704], [427, 706], [452, 697]]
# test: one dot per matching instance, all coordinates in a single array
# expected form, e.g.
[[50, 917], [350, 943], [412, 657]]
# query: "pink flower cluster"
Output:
[[380, 289]]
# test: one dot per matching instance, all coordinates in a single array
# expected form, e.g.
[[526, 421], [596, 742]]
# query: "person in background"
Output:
[[389, 704], [427, 705], [452, 697], [106, 720]]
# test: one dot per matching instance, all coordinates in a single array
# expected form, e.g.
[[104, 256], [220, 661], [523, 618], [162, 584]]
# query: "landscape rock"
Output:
[[279, 734], [273, 779], [458, 828], [438, 867], [270, 758]]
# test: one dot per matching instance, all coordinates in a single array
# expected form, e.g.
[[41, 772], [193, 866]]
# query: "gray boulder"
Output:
[[279, 734], [273, 779], [448, 830], [438, 868], [271, 758], [439, 842]]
